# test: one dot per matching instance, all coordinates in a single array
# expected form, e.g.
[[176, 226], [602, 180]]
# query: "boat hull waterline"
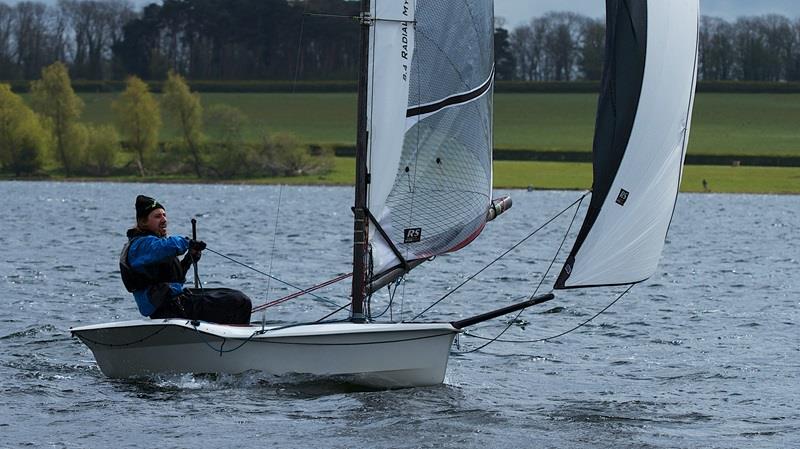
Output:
[[388, 355]]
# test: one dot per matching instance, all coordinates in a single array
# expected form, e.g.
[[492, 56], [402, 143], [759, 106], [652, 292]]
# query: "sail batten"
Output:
[[640, 142]]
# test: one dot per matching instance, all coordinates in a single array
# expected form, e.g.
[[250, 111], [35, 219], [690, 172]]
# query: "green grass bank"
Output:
[[578, 176], [539, 175], [732, 124], [724, 123]]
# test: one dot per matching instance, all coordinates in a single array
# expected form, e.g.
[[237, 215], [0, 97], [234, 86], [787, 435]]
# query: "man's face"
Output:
[[157, 222]]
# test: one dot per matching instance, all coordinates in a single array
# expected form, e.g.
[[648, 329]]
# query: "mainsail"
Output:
[[641, 133], [429, 119]]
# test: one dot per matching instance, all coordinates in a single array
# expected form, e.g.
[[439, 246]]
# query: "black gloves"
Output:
[[195, 251], [197, 245]]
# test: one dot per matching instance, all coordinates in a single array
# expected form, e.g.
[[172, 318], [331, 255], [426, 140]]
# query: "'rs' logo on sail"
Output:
[[622, 197], [412, 235]]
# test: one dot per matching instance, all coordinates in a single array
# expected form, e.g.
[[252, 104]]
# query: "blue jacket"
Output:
[[153, 261]]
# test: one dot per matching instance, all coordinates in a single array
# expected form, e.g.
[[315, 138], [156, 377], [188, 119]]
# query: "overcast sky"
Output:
[[517, 12]]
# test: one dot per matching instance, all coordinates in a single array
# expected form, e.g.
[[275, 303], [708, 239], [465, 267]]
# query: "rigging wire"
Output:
[[541, 281], [552, 337], [272, 252], [299, 48], [391, 298], [389, 306], [320, 298], [335, 16], [332, 313], [403, 302], [301, 292], [505, 253]]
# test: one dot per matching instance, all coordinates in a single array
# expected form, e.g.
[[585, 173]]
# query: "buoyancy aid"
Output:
[[154, 278]]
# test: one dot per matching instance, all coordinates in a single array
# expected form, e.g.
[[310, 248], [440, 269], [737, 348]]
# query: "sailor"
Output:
[[151, 270]]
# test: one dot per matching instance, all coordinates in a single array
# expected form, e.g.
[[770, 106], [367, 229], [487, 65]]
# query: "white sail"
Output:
[[391, 51], [430, 160], [638, 168]]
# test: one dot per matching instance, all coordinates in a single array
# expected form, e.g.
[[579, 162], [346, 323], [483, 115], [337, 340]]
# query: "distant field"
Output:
[[566, 175], [733, 124], [314, 118], [578, 176], [539, 175]]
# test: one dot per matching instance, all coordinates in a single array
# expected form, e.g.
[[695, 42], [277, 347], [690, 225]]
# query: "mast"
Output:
[[360, 223]]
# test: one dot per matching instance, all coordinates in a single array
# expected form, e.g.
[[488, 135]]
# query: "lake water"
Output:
[[704, 354]]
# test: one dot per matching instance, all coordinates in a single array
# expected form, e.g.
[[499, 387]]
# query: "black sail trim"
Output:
[[453, 100]]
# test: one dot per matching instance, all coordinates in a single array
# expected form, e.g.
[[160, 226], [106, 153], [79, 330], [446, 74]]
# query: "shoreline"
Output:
[[510, 175]]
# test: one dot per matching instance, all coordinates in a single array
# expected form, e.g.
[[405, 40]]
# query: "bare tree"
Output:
[[793, 63], [527, 44], [29, 37], [96, 26], [58, 40], [257, 39], [592, 49], [520, 40], [777, 31], [753, 56], [562, 42], [7, 18], [121, 13], [550, 47], [717, 41]]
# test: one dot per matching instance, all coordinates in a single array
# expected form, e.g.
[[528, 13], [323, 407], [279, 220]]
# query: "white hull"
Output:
[[378, 355]]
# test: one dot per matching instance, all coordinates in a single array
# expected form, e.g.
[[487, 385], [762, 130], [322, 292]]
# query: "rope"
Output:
[[196, 272], [553, 337], [490, 340], [544, 276], [269, 276], [119, 345], [224, 340], [301, 293], [274, 238], [388, 306], [332, 313], [505, 253]]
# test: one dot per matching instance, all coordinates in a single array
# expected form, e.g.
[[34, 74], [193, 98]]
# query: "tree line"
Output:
[[564, 46], [318, 40], [200, 39], [210, 144]]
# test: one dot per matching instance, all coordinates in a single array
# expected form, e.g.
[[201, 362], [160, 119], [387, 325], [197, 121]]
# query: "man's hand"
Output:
[[197, 245], [195, 249]]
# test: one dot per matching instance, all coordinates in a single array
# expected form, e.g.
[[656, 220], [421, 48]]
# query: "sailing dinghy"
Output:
[[424, 188]]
